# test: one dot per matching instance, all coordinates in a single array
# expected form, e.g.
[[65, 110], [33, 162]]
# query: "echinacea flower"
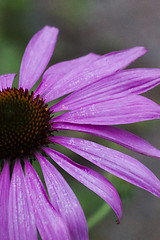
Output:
[[99, 93]]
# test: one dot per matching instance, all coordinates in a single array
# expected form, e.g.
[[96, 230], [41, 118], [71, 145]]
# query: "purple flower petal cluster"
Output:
[[99, 93]]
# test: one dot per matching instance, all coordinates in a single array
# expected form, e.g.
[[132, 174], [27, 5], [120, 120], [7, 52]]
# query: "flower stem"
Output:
[[98, 215]]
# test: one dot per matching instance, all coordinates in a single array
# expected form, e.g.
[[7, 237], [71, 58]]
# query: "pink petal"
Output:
[[115, 162], [115, 86], [64, 200], [21, 220], [130, 109], [4, 197], [6, 80], [37, 55], [114, 134], [91, 179], [48, 221], [59, 70], [94, 71]]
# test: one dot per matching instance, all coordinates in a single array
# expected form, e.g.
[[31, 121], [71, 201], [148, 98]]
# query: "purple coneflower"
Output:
[[99, 94]]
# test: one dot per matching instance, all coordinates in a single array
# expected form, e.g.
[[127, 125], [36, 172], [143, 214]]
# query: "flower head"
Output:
[[99, 94]]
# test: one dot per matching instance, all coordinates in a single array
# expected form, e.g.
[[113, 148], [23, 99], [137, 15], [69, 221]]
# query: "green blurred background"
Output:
[[100, 27]]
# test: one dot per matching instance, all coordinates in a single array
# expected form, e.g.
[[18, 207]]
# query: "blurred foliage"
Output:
[[12, 35]]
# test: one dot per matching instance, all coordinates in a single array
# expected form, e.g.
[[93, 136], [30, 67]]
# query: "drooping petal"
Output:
[[6, 80], [115, 162], [64, 200], [91, 179], [130, 109], [115, 86], [37, 55], [48, 221], [21, 220], [59, 70], [4, 197], [114, 134], [96, 70]]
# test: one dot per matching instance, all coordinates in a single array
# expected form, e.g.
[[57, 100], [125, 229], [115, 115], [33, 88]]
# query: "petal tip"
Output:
[[143, 49], [51, 28]]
